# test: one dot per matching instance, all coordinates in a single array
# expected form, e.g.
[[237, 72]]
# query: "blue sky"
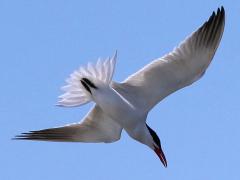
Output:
[[42, 42]]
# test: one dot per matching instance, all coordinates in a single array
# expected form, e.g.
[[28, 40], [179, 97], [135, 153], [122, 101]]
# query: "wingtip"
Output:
[[23, 136], [18, 137], [115, 54], [223, 11], [220, 10]]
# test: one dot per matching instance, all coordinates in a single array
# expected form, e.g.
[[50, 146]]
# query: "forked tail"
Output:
[[75, 93]]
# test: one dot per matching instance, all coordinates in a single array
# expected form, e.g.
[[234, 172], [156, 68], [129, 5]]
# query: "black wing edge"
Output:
[[52, 134], [210, 33]]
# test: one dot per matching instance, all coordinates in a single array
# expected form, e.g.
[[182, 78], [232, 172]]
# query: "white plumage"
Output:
[[126, 105], [75, 93]]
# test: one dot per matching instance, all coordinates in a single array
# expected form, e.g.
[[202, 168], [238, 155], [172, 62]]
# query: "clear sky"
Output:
[[42, 42]]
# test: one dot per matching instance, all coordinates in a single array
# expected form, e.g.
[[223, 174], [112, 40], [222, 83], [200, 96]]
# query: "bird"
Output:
[[125, 105]]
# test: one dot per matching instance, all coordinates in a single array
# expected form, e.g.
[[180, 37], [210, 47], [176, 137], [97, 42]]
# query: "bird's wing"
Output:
[[96, 127], [180, 68]]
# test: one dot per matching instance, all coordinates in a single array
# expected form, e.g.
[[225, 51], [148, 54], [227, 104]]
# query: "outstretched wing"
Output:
[[96, 127], [180, 68]]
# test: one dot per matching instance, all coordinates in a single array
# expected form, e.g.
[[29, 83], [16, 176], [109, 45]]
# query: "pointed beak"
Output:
[[161, 155]]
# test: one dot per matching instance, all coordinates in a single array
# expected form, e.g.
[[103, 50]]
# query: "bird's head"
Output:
[[155, 144]]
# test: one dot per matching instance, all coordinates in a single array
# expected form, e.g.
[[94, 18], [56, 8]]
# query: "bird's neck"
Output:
[[141, 134]]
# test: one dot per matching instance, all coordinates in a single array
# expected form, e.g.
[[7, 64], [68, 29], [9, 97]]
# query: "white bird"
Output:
[[126, 105]]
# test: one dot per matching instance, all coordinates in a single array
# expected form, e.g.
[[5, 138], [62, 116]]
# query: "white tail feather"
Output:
[[75, 94]]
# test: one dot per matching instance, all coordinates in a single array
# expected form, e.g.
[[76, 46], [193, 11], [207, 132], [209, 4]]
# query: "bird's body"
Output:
[[120, 110], [126, 105], [117, 107]]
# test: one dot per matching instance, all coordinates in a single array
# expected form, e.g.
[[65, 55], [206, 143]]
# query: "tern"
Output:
[[126, 105]]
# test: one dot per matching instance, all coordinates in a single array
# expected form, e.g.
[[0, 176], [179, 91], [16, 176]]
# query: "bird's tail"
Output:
[[75, 93]]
